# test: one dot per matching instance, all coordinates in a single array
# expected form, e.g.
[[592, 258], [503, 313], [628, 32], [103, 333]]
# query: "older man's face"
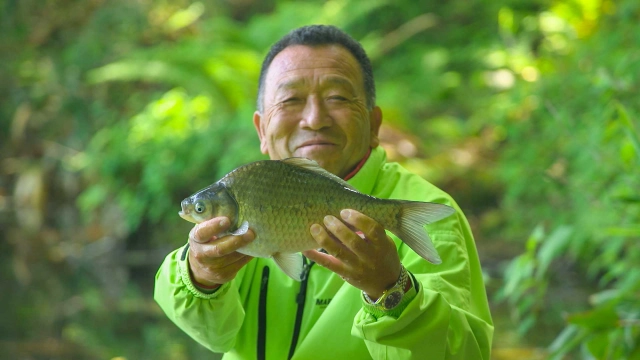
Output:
[[315, 107]]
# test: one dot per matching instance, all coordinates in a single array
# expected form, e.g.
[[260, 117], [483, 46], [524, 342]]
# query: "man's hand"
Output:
[[370, 263], [212, 260]]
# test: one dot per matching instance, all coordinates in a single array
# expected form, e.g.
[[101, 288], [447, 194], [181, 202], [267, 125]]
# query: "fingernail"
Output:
[[345, 214], [315, 229], [194, 233], [223, 222], [329, 220]]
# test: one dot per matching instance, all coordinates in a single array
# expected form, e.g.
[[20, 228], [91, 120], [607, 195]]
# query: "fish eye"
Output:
[[200, 207]]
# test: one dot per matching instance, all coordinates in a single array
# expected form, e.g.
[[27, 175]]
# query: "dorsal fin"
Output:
[[313, 166]]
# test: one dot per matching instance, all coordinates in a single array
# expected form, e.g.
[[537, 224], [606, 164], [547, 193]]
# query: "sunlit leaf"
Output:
[[552, 247], [568, 339], [185, 17]]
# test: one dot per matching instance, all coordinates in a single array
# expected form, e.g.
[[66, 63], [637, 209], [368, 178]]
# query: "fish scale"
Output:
[[280, 200], [284, 226]]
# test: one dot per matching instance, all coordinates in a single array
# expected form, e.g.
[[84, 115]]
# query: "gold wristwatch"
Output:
[[392, 297]]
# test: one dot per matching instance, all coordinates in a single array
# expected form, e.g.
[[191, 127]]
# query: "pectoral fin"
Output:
[[291, 264], [242, 229]]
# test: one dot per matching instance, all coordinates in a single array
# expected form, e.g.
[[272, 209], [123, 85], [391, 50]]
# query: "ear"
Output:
[[257, 123], [375, 120]]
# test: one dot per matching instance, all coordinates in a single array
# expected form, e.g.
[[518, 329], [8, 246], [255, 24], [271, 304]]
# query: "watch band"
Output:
[[391, 297]]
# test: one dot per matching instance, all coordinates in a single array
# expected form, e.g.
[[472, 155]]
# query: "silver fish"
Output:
[[281, 199]]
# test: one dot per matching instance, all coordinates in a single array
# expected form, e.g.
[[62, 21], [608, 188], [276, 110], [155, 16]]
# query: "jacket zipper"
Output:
[[262, 314], [300, 300]]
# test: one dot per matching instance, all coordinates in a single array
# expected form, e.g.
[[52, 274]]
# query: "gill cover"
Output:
[[211, 202]]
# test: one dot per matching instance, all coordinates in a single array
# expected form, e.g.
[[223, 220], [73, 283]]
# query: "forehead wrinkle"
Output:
[[324, 80], [287, 74], [290, 83], [338, 80]]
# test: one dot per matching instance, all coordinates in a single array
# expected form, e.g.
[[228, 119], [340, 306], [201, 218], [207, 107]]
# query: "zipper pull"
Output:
[[302, 294]]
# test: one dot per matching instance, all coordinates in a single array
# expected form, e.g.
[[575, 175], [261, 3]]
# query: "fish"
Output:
[[280, 200]]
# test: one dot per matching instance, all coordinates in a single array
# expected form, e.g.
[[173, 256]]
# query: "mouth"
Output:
[[315, 143], [186, 215], [184, 211]]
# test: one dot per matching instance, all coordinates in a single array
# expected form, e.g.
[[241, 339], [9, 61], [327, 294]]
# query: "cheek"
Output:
[[202, 217], [356, 126], [277, 130], [281, 124]]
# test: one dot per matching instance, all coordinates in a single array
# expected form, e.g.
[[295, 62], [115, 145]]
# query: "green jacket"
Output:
[[264, 311]]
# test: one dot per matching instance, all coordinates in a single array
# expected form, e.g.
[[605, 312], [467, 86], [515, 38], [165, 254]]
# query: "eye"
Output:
[[200, 207], [291, 100], [337, 99]]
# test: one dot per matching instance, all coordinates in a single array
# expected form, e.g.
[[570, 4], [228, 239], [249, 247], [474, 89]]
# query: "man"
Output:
[[317, 100]]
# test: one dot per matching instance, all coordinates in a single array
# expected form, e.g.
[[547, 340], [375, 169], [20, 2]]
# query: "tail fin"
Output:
[[413, 216]]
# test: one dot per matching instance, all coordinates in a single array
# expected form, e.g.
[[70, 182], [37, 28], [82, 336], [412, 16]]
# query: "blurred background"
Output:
[[525, 111]]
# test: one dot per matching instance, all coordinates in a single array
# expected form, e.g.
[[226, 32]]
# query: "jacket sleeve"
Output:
[[211, 319], [448, 318]]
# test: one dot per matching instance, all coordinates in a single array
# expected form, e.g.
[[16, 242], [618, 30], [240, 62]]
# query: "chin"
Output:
[[324, 163], [326, 158]]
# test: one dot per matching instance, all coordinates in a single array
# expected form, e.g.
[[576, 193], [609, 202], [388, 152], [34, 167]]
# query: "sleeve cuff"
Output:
[[185, 274]]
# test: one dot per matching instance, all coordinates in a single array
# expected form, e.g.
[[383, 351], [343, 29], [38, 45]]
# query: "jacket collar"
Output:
[[365, 179]]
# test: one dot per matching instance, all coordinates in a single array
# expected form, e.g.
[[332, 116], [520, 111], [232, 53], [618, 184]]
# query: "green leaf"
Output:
[[535, 238], [630, 149], [552, 247], [568, 339], [526, 324], [603, 297], [596, 319], [93, 197], [630, 231], [597, 346]]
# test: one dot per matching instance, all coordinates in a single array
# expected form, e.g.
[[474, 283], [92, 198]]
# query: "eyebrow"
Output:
[[288, 85], [338, 80]]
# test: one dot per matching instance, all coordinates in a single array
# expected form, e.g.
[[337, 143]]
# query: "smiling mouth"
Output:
[[315, 143]]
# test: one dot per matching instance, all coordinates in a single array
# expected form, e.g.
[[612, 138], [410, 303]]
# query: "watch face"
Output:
[[393, 299]]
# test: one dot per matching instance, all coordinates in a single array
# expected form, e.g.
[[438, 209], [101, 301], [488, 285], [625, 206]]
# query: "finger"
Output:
[[324, 260], [329, 238], [207, 275], [371, 229], [229, 271], [329, 244], [227, 245], [222, 262], [207, 230], [347, 237]]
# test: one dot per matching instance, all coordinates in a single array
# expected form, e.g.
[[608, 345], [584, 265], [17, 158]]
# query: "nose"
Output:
[[315, 115]]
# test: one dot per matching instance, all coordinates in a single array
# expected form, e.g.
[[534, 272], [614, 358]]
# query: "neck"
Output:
[[358, 167]]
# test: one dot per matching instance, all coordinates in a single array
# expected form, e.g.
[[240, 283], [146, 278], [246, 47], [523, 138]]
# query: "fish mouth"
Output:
[[185, 212], [184, 209], [186, 215]]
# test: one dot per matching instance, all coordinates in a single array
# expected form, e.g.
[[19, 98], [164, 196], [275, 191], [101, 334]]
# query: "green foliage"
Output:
[[581, 177], [141, 162]]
